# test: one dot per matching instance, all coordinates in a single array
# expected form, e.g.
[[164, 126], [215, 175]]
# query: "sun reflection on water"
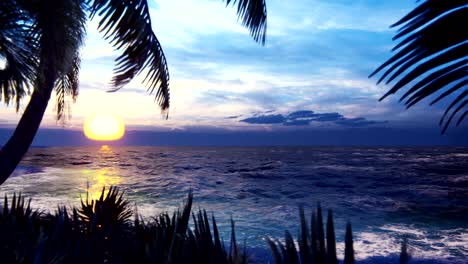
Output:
[[107, 175]]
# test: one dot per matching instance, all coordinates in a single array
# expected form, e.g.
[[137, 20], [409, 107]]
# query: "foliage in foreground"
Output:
[[318, 246], [100, 231], [430, 58]]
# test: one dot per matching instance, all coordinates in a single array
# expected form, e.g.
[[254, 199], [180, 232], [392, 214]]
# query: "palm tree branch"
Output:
[[253, 14], [457, 86], [462, 117], [17, 50], [435, 47], [424, 67], [436, 76], [428, 11], [460, 107], [436, 85], [127, 26], [67, 85]]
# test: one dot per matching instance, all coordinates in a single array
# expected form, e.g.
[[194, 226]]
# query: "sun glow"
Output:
[[104, 127]]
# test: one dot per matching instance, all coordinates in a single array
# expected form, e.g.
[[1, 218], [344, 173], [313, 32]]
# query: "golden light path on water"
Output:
[[106, 176]]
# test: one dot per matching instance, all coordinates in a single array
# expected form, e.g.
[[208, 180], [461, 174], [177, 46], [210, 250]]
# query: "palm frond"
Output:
[[431, 56], [67, 85], [277, 259], [18, 51], [63, 22], [322, 250], [331, 241], [349, 248], [19, 209], [110, 210], [304, 239], [127, 25], [253, 14], [405, 257]]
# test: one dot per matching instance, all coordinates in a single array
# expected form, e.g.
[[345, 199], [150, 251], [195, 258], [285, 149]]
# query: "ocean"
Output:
[[386, 193]]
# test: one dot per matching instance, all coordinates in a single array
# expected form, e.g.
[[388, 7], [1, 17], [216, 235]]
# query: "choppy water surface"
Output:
[[386, 193]]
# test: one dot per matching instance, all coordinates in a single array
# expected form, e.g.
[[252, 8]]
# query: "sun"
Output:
[[104, 127]]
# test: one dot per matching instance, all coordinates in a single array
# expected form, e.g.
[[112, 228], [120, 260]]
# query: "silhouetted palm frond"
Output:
[[431, 57], [127, 25], [349, 248], [59, 31], [331, 241], [67, 85], [17, 50], [253, 14], [18, 210], [405, 257], [111, 209]]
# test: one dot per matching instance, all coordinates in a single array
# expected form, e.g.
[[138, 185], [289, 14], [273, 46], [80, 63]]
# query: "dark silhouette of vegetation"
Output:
[[100, 231], [305, 240], [321, 253], [314, 238], [349, 248], [310, 252], [312, 247], [404, 255], [40, 42], [431, 57], [311, 244], [331, 243]]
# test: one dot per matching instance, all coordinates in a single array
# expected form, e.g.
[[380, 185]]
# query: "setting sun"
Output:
[[104, 127]]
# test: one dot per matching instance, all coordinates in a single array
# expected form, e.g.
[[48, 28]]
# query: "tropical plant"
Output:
[[311, 243], [349, 248], [309, 250], [109, 210], [100, 231], [40, 42], [73, 237], [19, 229], [404, 255], [431, 57]]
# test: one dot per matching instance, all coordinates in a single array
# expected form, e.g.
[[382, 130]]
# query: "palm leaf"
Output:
[[349, 248], [431, 56], [304, 244], [127, 25], [277, 259], [331, 242], [253, 14], [18, 50], [67, 85]]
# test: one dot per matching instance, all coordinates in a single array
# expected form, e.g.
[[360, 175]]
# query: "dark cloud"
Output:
[[297, 123], [265, 119], [325, 117], [301, 114], [358, 122], [233, 117], [305, 117]]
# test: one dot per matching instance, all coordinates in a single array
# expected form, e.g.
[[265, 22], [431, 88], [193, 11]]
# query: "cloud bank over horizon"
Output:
[[308, 117]]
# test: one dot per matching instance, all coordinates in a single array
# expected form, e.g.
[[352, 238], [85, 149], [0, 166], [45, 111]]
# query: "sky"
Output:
[[310, 79]]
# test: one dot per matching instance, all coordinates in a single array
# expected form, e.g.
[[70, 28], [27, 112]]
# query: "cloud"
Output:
[[233, 117], [307, 117], [265, 119]]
